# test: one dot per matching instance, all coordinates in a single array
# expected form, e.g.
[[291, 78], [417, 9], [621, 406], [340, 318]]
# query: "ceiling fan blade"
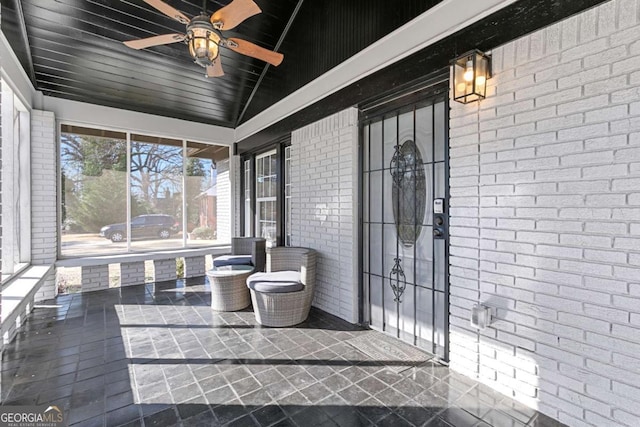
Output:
[[155, 41], [234, 14], [170, 11], [215, 70], [253, 50]]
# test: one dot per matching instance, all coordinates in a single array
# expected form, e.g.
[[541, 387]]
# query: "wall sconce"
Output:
[[470, 73]]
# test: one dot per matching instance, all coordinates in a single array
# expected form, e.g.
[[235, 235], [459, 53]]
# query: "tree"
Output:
[[156, 172], [94, 181], [102, 201], [196, 182], [91, 155]]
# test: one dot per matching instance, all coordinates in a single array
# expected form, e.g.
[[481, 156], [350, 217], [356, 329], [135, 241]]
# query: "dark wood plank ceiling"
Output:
[[422, 68], [74, 50]]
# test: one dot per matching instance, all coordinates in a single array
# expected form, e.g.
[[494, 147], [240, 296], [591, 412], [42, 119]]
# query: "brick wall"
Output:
[[44, 208], [95, 278], [324, 165], [194, 266], [165, 269], [223, 202], [132, 273], [545, 214]]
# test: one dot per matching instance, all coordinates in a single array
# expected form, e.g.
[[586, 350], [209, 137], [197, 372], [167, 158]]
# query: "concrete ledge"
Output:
[[143, 256], [18, 298]]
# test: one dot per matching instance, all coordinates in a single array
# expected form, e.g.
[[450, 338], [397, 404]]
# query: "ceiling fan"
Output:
[[204, 35]]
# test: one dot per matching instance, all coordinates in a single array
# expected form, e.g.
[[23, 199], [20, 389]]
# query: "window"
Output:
[[93, 169], [266, 197], [15, 184], [206, 188], [287, 195], [126, 192], [247, 198], [156, 188], [266, 183]]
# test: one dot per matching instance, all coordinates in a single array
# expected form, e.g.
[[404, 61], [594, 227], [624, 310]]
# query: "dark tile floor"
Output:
[[157, 355]]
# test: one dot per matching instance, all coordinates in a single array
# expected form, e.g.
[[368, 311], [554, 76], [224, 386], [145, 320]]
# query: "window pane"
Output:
[[273, 173], [156, 192], [287, 196], [266, 178], [206, 194], [266, 226], [14, 186], [248, 215], [93, 165], [259, 179]]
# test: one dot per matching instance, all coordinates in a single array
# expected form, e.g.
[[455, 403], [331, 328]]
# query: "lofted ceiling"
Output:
[[73, 49]]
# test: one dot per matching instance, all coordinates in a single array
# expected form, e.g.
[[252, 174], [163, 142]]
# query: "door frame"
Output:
[[436, 88]]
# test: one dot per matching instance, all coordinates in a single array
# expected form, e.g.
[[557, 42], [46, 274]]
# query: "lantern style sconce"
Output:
[[471, 71], [203, 40]]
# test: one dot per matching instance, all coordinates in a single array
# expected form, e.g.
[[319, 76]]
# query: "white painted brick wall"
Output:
[[95, 278], [223, 202], [132, 273], [165, 269], [44, 208], [545, 207], [324, 165], [194, 266]]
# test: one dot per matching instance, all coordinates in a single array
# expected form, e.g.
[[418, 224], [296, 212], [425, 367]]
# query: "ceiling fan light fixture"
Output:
[[203, 41], [204, 35]]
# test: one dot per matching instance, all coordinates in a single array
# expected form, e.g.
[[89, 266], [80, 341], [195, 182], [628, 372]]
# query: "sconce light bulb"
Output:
[[468, 74]]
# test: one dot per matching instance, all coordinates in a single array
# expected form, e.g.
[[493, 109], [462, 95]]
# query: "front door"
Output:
[[405, 244]]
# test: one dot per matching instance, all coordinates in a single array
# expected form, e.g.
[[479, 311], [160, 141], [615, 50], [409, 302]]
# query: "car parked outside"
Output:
[[151, 226]]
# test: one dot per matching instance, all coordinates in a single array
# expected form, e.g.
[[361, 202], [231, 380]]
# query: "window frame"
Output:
[[287, 196], [262, 198], [129, 138], [16, 159], [250, 218]]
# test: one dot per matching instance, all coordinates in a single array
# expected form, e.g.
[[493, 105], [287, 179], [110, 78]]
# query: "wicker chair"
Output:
[[241, 248], [285, 308]]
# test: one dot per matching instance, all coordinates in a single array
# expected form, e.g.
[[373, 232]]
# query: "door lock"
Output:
[[439, 219]]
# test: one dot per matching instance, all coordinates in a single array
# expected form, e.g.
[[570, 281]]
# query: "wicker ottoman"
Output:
[[228, 287]]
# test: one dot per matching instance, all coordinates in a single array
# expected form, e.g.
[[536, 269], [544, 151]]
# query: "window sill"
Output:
[[8, 278], [17, 297], [142, 256]]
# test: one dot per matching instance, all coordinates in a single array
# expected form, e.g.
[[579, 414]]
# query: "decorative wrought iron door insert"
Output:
[[404, 266]]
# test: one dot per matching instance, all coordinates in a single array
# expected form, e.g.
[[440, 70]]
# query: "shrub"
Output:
[[180, 268], [204, 233]]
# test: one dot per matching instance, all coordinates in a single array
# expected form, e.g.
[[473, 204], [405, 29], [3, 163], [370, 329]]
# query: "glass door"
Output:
[[405, 244]]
